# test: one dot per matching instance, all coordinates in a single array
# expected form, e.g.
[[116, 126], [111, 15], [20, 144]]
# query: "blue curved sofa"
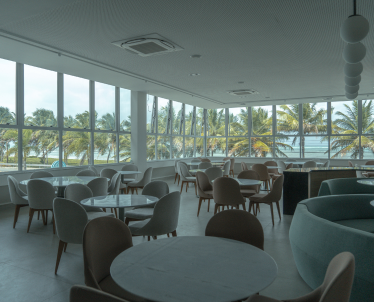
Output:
[[323, 227], [341, 186]]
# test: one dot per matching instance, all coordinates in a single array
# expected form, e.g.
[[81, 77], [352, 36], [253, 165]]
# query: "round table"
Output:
[[366, 182], [123, 173], [61, 182], [248, 182], [193, 269], [372, 203], [120, 201]]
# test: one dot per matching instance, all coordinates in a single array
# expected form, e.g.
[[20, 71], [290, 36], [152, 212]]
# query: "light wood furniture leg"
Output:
[[198, 209], [31, 215], [61, 245], [174, 233]]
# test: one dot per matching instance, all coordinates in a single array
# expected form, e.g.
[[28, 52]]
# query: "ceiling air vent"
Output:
[[243, 92], [148, 45]]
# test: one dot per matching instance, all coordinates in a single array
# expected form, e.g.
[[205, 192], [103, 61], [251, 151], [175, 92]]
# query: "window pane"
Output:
[[105, 106], [216, 122], [177, 111], [76, 102], [7, 92], [76, 148], [105, 148], [8, 149], [344, 147], [125, 148], [262, 120], [162, 117], [125, 105], [199, 121], [188, 120], [238, 121], [367, 145], [262, 146], [177, 147], [150, 112], [344, 117], [188, 146], [238, 147], [199, 146], [151, 147], [314, 118], [288, 119], [163, 147], [287, 146], [367, 117], [314, 147], [40, 97], [40, 148], [216, 146]]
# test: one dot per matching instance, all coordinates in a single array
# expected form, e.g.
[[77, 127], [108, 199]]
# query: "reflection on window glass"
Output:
[[238, 121], [262, 120], [105, 148], [216, 146], [7, 92], [177, 114], [151, 147], [344, 147], [288, 119], [8, 149], [76, 148], [199, 146], [76, 102], [216, 122], [163, 147], [199, 121], [151, 124], [105, 107], [40, 148], [125, 105], [238, 147], [262, 146], [188, 120], [177, 147], [188, 146], [162, 115], [287, 146], [314, 147], [40, 97], [125, 148], [314, 118]]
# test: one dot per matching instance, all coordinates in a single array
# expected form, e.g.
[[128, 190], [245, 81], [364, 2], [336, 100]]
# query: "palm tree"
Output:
[[216, 129], [105, 143], [6, 117]]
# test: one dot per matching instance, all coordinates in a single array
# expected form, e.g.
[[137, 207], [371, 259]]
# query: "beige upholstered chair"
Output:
[[226, 192], [98, 186], [262, 171], [213, 173], [176, 169], [350, 164], [326, 164], [204, 189], [186, 177], [271, 163], [125, 179], [103, 240], [289, 166], [134, 185], [282, 166], [274, 196], [40, 174], [336, 287], [205, 165], [17, 197], [310, 164], [80, 293], [92, 168], [232, 166], [226, 168], [108, 173], [248, 191], [205, 160], [244, 167], [87, 172], [237, 225]]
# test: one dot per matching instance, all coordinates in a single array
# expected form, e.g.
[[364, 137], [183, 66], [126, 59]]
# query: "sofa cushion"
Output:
[[366, 225]]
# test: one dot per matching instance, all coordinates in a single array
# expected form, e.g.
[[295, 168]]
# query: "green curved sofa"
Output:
[[323, 227], [341, 186]]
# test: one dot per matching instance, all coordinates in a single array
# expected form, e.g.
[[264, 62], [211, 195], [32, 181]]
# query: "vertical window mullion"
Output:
[[20, 105], [60, 114], [155, 104], [329, 128], [118, 119], [92, 121], [205, 132], [249, 130], [301, 133], [227, 121], [274, 126]]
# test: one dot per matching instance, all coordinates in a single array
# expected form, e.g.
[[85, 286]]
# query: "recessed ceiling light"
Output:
[[267, 97], [240, 82], [195, 56], [242, 103], [328, 98], [194, 74]]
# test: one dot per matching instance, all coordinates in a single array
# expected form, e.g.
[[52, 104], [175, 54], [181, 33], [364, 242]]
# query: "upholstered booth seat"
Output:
[[341, 186], [323, 227]]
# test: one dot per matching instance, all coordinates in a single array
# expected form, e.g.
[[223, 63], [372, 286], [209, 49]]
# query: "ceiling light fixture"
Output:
[[195, 56], [240, 82], [194, 74]]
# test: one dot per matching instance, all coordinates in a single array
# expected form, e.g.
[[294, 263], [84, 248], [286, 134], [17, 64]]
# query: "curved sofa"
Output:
[[323, 227], [341, 186]]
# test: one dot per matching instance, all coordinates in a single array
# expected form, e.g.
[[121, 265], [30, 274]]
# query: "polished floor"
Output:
[[27, 261]]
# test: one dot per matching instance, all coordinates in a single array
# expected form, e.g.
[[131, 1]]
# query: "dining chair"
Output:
[[17, 197], [108, 173], [244, 167], [336, 286], [146, 179], [271, 163], [86, 172], [80, 293], [236, 225], [309, 164], [157, 188], [368, 174], [125, 179], [326, 164], [71, 219], [262, 171], [273, 197], [248, 191], [206, 160], [98, 186], [40, 174], [104, 239], [40, 196], [164, 220], [115, 184], [92, 168], [289, 166], [204, 189], [213, 173], [226, 168], [226, 192], [205, 165], [282, 166], [186, 177], [176, 169], [232, 166]]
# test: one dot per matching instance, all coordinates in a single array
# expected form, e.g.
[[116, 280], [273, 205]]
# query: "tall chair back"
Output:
[[262, 171], [250, 174], [213, 173], [176, 165], [310, 164], [226, 191], [205, 160], [370, 162], [108, 173], [115, 184], [281, 165], [15, 192], [184, 171], [98, 186], [326, 164], [156, 188], [271, 163], [244, 167], [205, 165], [147, 177], [92, 168], [203, 184], [226, 168], [77, 192], [289, 166], [130, 168], [40, 174], [41, 194], [86, 173]]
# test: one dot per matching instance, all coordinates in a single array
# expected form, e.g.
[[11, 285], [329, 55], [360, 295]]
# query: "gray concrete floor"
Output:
[[27, 261]]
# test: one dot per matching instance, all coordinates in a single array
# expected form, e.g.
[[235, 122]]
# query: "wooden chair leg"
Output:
[[66, 245], [250, 207], [38, 215], [127, 220], [279, 212], [154, 237], [182, 187], [43, 217], [149, 238], [46, 217], [215, 209], [195, 188], [136, 189], [208, 204], [61, 245], [243, 204], [198, 208], [176, 176], [115, 212], [179, 179], [272, 214], [16, 213], [186, 186], [168, 235], [174, 233], [53, 222], [31, 215]]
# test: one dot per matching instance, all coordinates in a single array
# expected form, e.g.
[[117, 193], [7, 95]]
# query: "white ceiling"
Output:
[[286, 50]]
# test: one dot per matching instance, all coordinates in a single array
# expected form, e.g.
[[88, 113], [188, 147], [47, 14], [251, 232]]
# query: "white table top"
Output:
[[246, 182], [129, 172], [193, 269], [300, 163], [366, 182], [372, 203], [119, 201], [367, 166], [64, 181]]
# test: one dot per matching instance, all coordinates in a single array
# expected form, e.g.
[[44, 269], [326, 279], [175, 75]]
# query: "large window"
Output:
[[8, 149], [105, 148], [125, 105], [76, 148], [7, 92], [163, 118], [105, 107]]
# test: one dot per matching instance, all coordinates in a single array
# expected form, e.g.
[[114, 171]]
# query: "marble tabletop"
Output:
[[193, 269], [372, 203], [366, 182], [64, 181], [129, 172], [246, 182]]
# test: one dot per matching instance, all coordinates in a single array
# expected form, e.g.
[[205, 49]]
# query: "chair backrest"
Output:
[[226, 158], [203, 184], [213, 173], [108, 173], [250, 174], [326, 164], [271, 163], [232, 163], [237, 225], [77, 192], [115, 184], [205, 165], [289, 166], [86, 173], [176, 165], [156, 188], [165, 216], [276, 191], [369, 162], [98, 186], [227, 191], [147, 177], [261, 170], [40, 174], [14, 191], [291, 160], [206, 160], [41, 194], [196, 160], [281, 165], [226, 168], [104, 238], [310, 164], [80, 293], [183, 171], [71, 219], [130, 168], [92, 168], [244, 167]]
